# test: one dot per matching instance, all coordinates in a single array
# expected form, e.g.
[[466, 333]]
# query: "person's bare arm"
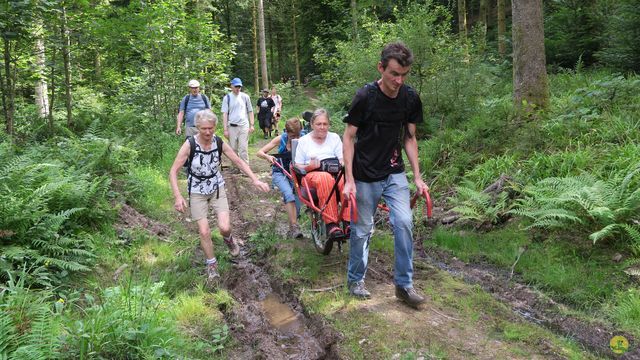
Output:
[[348, 150], [262, 153], [179, 122], [180, 203], [411, 148], [242, 165]]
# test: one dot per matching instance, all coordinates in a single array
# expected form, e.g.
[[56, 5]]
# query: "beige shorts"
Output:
[[191, 131], [200, 204]]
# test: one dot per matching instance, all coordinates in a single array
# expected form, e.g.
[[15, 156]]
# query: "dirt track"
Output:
[[271, 322]]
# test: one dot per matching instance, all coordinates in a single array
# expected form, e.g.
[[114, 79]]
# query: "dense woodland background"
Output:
[[543, 94]]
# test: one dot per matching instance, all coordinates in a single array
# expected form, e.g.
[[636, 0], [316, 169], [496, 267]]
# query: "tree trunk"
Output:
[[502, 29], [9, 89], [53, 89], [530, 85], [482, 17], [263, 46], [97, 66], [256, 72], [66, 58], [462, 19], [354, 20], [295, 38], [271, 59], [41, 93]]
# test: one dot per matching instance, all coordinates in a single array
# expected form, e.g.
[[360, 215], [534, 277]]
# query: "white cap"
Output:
[[194, 83]]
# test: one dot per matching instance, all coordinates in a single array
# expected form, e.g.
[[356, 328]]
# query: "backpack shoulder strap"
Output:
[[219, 145], [372, 95], [192, 151], [205, 99], [186, 102]]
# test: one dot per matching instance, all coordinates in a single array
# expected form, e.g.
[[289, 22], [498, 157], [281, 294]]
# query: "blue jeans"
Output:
[[285, 185], [395, 191]]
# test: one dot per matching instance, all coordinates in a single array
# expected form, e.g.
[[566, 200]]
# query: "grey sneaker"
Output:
[[212, 272], [234, 249], [410, 296], [357, 289], [294, 232]]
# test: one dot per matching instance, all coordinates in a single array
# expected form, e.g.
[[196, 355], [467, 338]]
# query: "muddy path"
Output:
[[270, 319], [268, 322]]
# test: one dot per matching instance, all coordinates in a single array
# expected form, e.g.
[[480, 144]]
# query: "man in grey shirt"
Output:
[[191, 104], [237, 119]]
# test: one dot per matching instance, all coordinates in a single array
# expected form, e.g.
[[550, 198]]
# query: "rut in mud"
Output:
[[268, 322]]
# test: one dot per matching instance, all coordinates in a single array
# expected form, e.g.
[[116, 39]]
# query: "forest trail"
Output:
[[279, 319]]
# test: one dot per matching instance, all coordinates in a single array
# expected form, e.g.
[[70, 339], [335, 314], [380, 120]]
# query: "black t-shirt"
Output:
[[379, 138], [265, 105]]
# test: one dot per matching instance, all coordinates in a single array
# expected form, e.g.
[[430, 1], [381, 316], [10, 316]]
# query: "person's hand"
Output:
[[181, 204], [348, 190], [251, 129], [271, 159], [261, 186], [421, 187], [226, 134], [314, 163], [178, 130]]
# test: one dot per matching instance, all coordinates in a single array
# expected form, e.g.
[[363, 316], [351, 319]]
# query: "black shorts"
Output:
[[264, 120]]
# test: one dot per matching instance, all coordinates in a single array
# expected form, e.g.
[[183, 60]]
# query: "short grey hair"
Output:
[[320, 112], [206, 115]]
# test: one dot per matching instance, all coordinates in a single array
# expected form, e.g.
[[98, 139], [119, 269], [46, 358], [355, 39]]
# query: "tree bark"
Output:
[[482, 17], [41, 93], [66, 58], [256, 61], [462, 19], [9, 88], [295, 39], [263, 46], [271, 55], [502, 29], [530, 85], [354, 20], [53, 89]]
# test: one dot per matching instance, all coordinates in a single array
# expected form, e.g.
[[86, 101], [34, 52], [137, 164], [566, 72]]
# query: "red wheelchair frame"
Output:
[[307, 196]]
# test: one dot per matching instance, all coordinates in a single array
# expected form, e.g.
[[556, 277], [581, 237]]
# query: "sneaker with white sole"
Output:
[[212, 272], [358, 290]]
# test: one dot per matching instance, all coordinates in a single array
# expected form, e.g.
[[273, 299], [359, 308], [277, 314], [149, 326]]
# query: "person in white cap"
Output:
[[191, 104], [237, 119]]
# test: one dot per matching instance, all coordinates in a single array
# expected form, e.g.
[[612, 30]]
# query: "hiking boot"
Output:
[[234, 249], [357, 289], [294, 232], [212, 272], [334, 231], [410, 296]]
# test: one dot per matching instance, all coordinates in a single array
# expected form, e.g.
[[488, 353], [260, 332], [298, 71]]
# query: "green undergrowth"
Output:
[[584, 277]]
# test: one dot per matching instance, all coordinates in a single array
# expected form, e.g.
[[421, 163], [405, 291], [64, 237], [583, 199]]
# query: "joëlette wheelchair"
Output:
[[308, 196]]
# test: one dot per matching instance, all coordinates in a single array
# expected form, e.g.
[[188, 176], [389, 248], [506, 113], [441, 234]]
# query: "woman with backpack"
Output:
[[205, 185]]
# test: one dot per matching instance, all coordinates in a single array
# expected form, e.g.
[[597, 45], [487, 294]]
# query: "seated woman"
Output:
[[318, 145], [293, 129]]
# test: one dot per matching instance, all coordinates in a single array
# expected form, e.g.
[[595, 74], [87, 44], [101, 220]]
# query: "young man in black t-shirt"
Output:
[[265, 105], [382, 119]]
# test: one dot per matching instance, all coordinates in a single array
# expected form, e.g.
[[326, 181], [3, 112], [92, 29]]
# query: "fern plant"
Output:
[[602, 208], [479, 207], [29, 328]]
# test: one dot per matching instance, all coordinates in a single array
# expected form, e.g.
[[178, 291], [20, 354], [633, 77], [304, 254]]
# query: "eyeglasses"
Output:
[[238, 86], [194, 87]]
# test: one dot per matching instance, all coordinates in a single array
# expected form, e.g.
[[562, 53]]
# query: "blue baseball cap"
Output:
[[236, 82]]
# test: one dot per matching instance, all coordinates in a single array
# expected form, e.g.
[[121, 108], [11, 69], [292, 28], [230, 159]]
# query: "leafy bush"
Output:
[[479, 207]]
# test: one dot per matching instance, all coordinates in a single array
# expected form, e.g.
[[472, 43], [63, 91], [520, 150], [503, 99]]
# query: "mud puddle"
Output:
[[268, 321]]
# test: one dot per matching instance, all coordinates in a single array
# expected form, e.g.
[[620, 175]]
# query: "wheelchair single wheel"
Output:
[[319, 234]]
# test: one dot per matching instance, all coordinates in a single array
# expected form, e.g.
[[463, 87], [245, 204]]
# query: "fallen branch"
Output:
[[447, 316], [513, 267], [325, 288]]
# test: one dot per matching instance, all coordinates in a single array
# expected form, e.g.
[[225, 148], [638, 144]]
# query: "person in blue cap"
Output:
[[237, 119]]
